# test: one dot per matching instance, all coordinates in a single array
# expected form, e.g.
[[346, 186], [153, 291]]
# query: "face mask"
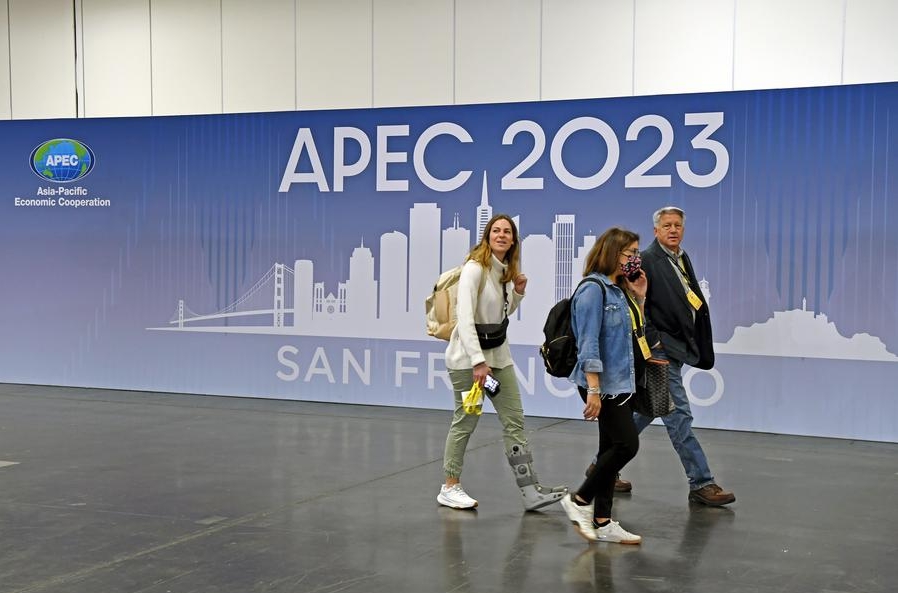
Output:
[[632, 267]]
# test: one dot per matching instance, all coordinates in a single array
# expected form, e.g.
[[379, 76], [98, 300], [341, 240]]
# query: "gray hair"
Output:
[[656, 217]]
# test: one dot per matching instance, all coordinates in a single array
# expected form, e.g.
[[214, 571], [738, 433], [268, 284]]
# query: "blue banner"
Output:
[[288, 255]]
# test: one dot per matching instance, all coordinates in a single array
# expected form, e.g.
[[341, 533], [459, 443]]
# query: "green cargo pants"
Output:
[[507, 404]]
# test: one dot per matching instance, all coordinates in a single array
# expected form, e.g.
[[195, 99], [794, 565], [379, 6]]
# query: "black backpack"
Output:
[[559, 351]]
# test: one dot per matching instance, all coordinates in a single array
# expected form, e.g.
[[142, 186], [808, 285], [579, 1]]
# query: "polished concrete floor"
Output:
[[122, 492]]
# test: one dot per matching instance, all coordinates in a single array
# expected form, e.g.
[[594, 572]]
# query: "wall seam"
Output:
[[83, 70], [633, 60], [9, 55], [454, 48], [733, 56], [79, 57], [295, 59], [540, 49], [844, 26], [221, 50], [150, 21]]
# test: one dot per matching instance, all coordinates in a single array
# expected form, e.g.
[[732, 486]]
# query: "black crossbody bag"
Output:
[[493, 335]]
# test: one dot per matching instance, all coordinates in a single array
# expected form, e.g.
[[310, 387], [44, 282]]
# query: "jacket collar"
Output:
[[668, 251]]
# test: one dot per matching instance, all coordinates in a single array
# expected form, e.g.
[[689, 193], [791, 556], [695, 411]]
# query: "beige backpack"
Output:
[[439, 306]]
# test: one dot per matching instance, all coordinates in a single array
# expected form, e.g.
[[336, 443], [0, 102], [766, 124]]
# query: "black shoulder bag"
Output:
[[652, 398], [492, 335]]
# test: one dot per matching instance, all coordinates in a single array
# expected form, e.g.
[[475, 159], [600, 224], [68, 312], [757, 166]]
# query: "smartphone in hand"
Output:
[[491, 385]]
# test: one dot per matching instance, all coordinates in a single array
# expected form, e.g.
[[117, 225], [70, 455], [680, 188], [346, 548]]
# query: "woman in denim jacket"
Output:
[[605, 313]]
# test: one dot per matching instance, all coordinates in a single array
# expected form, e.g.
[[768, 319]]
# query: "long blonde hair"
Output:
[[482, 254]]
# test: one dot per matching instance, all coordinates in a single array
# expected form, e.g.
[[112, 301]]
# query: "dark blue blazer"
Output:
[[669, 313]]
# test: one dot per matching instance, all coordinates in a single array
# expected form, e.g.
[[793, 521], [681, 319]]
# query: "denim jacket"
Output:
[[603, 330]]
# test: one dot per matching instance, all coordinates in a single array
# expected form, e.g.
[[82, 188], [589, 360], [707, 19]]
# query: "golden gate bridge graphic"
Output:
[[287, 300], [268, 296]]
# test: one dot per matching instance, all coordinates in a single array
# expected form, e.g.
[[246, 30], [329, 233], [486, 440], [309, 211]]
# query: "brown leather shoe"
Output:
[[619, 485], [622, 485], [712, 495]]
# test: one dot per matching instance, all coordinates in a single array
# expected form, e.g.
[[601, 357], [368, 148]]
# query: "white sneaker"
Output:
[[581, 516], [614, 533], [455, 497]]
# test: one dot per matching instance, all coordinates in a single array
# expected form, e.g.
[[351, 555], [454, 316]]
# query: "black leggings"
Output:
[[618, 444]]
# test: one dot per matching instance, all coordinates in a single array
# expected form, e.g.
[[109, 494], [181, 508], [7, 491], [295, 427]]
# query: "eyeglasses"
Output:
[[631, 252]]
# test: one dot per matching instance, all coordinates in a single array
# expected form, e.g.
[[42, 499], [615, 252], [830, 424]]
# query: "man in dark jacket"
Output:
[[676, 308]]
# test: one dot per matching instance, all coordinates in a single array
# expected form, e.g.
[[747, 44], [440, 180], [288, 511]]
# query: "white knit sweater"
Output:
[[464, 350]]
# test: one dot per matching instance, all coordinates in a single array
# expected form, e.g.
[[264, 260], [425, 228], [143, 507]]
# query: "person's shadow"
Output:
[[678, 564], [456, 576], [701, 523], [528, 567], [595, 568]]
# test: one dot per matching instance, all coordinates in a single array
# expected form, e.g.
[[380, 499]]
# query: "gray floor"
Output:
[[117, 492]]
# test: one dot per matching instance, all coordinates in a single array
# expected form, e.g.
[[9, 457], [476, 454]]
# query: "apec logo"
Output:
[[62, 160]]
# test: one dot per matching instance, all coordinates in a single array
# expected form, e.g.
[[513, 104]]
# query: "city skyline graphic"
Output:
[[289, 301]]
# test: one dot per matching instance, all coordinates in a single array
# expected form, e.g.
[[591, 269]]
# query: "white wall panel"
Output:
[[413, 52], [43, 84], [497, 51], [258, 55], [684, 46], [871, 43], [186, 49], [334, 54], [5, 98], [587, 49], [788, 44], [206, 56], [115, 37]]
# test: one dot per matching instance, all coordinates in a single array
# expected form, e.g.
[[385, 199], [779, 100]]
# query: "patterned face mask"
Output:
[[632, 267]]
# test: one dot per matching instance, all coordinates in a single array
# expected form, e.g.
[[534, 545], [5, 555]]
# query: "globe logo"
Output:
[[62, 160]]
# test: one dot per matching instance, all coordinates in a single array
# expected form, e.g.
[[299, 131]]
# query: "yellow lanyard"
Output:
[[639, 333], [635, 307], [684, 277]]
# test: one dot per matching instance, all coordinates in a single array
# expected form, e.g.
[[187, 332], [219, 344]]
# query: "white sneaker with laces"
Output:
[[581, 516], [455, 497], [614, 533]]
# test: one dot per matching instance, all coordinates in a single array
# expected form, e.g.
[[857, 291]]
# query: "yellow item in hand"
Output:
[[473, 401]]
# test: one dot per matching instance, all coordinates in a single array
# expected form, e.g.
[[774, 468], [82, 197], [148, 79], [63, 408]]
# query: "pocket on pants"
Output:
[[462, 379]]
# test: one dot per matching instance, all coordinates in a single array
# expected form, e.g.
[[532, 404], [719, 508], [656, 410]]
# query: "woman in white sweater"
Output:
[[490, 288]]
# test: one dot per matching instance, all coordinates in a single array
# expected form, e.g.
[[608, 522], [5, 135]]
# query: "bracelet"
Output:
[[592, 391]]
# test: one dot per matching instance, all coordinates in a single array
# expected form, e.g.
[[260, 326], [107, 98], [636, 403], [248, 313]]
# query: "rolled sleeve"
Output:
[[591, 365]]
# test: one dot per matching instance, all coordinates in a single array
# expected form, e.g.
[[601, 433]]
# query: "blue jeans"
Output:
[[679, 428]]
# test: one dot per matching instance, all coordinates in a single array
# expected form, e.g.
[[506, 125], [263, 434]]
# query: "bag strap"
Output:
[[505, 299], [590, 279]]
